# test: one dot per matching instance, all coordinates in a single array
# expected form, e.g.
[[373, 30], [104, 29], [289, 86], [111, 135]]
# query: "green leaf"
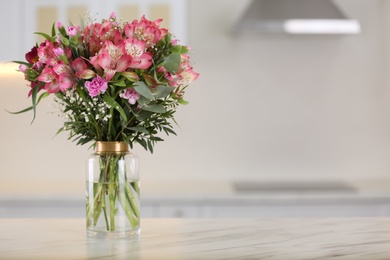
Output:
[[142, 142], [34, 100], [142, 115], [81, 23], [179, 49], [168, 130], [65, 41], [53, 30], [32, 75], [81, 93], [154, 108], [119, 83], [143, 101], [62, 31], [109, 100], [150, 146], [23, 62], [183, 102], [162, 91], [46, 36], [143, 90], [138, 129], [74, 40], [172, 62]]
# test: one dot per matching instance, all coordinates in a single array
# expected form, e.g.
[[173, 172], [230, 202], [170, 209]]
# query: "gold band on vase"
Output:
[[111, 147]]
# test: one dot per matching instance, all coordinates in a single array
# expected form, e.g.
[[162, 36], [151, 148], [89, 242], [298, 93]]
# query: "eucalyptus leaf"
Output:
[[142, 115], [143, 101], [143, 90], [172, 62], [162, 91], [154, 108]]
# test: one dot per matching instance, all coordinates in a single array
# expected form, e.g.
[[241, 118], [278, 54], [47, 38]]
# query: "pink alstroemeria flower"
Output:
[[82, 70], [183, 76], [96, 86], [111, 59], [187, 76], [56, 78], [51, 79], [136, 49], [145, 30], [58, 51]]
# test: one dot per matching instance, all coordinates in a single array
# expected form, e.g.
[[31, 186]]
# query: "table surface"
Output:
[[312, 238]]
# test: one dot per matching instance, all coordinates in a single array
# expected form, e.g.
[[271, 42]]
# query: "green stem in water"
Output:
[[104, 209]]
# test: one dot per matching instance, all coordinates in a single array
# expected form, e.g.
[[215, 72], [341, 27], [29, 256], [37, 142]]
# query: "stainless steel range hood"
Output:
[[296, 17]]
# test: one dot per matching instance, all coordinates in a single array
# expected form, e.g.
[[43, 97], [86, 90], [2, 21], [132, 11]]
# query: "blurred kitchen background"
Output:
[[278, 125]]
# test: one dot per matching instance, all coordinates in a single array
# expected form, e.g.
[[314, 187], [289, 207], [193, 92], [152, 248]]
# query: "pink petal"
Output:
[[79, 64], [105, 60], [123, 63], [109, 74], [47, 75]]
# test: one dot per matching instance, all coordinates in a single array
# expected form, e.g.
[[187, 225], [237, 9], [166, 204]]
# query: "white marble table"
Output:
[[343, 238]]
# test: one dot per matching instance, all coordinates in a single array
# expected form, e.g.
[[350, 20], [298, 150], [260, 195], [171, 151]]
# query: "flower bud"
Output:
[[85, 74]]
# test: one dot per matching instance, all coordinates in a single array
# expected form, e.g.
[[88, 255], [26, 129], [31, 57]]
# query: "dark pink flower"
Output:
[[32, 56], [72, 31], [96, 86]]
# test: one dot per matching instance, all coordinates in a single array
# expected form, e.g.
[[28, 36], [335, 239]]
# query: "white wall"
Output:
[[277, 107], [264, 107]]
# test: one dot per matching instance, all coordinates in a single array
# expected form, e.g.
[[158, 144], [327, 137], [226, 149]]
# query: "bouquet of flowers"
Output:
[[113, 81]]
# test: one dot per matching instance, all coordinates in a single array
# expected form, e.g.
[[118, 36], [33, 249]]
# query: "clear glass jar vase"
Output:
[[113, 190]]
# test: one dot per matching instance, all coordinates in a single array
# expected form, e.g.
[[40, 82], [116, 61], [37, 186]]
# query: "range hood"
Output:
[[296, 17]]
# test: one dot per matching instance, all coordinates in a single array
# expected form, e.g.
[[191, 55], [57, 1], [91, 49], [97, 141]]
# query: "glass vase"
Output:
[[113, 189]]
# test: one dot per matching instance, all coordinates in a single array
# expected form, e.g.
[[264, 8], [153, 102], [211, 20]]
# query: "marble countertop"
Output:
[[312, 238]]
